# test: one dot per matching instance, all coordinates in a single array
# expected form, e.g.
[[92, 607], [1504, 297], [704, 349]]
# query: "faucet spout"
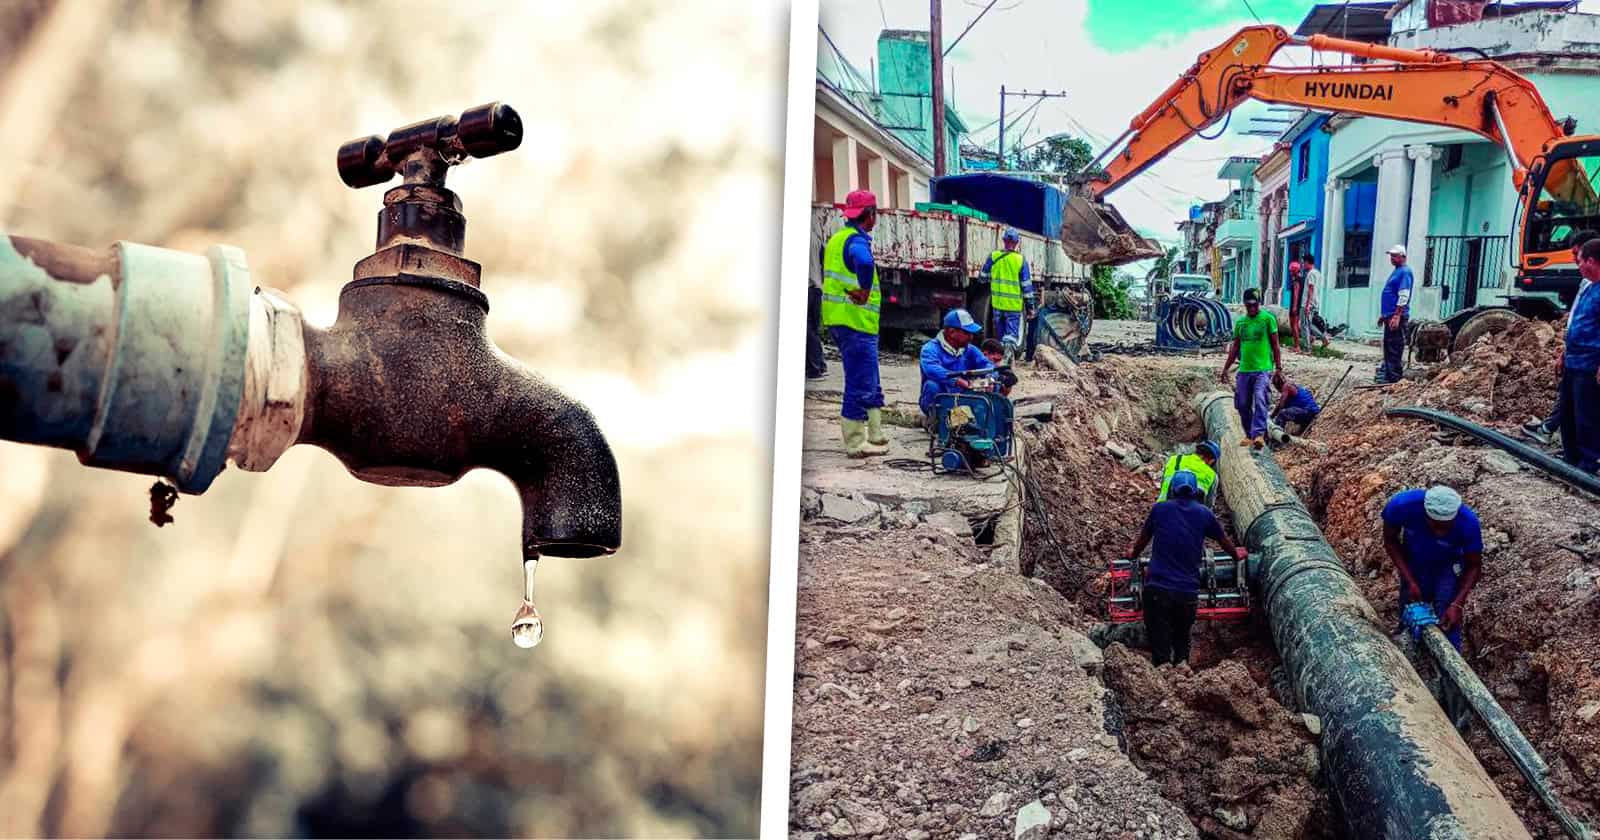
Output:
[[407, 389]]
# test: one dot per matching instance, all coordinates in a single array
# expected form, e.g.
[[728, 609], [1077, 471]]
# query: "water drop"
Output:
[[527, 628]]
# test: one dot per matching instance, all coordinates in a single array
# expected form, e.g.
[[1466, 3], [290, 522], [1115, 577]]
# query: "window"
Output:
[[1452, 156], [1304, 170]]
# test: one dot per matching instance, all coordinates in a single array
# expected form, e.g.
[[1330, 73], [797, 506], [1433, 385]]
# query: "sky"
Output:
[[1113, 57]]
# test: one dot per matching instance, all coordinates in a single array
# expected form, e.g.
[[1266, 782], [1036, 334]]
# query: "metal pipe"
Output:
[[1504, 731], [1397, 767], [134, 357], [1559, 470]]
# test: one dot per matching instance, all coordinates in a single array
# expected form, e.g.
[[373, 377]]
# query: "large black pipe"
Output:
[[1397, 767]]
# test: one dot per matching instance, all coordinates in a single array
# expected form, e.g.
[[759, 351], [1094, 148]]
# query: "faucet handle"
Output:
[[423, 151]]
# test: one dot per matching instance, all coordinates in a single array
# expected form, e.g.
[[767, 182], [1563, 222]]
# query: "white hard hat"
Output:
[[1441, 503], [1397, 250]]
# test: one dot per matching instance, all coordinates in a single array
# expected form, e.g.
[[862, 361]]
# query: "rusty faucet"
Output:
[[165, 363]]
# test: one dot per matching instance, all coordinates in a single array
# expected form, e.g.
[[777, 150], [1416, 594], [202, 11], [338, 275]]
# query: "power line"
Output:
[[882, 15]]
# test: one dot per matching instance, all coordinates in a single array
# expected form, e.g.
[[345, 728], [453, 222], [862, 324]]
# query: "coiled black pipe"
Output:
[[1557, 469], [1187, 321]]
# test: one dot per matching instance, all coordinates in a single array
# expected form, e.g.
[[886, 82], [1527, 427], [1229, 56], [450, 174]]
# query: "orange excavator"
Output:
[[1555, 173]]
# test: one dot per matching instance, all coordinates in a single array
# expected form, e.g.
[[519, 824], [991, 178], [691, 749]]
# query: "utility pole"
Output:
[[1005, 93], [936, 52]]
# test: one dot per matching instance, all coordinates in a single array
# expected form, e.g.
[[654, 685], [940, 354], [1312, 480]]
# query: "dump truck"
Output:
[[931, 260], [1550, 168]]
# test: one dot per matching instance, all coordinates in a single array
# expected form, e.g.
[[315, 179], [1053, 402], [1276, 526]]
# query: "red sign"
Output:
[[1452, 12]]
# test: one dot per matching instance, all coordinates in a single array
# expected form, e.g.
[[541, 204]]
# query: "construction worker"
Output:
[[946, 358], [1436, 545], [995, 352], [1176, 531], [1255, 347], [1296, 301], [850, 300], [1544, 431], [1010, 291], [1311, 323], [1580, 370], [1202, 462], [1393, 314], [1295, 404]]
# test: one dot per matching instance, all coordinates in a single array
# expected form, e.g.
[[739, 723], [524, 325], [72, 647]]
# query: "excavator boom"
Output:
[[1477, 95]]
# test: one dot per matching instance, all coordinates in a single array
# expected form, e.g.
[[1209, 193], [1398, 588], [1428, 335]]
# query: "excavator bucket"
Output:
[[1094, 233]]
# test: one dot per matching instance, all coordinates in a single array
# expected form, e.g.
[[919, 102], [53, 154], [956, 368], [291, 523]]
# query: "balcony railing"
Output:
[[1462, 265]]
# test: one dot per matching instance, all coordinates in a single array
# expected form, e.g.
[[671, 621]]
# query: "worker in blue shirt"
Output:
[[1010, 291], [1436, 545], [1395, 306], [946, 359], [1580, 369], [851, 296], [1176, 531], [1545, 430], [1295, 404]]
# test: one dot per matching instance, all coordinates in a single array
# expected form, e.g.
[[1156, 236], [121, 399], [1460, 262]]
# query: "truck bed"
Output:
[[909, 240]]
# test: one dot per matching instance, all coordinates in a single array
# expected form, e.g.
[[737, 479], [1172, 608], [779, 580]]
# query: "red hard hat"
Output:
[[858, 202]]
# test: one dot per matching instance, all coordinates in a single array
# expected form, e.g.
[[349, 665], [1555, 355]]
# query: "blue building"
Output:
[[1308, 172]]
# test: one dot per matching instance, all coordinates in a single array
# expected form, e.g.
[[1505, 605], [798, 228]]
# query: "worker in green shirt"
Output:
[[1202, 462], [1255, 347]]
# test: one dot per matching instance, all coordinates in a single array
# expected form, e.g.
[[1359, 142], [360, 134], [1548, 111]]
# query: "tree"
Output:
[[1062, 154], [1110, 294], [1163, 266]]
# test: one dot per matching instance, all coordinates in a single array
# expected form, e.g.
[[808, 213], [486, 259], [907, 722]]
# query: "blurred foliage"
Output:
[[1110, 293], [304, 654]]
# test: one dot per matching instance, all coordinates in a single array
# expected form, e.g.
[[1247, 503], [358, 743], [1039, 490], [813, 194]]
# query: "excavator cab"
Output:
[[1561, 197]]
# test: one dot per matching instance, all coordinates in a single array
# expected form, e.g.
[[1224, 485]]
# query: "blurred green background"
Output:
[[302, 653]]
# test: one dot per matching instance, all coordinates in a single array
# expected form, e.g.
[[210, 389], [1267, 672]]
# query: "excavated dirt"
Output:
[[1533, 619], [938, 696], [1222, 746]]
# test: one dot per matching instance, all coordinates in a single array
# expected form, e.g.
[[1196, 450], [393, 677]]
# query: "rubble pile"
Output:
[[1218, 743], [939, 696], [1499, 381]]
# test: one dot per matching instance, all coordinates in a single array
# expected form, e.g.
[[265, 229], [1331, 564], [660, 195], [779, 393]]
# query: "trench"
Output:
[[1220, 736], [1223, 738]]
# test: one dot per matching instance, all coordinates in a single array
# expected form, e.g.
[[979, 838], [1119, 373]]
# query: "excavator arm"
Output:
[[1476, 95], [1425, 86]]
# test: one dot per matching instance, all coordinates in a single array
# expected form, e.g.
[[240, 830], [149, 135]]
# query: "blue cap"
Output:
[[1183, 485], [1209, 447], [1011, 235], [961, 319]]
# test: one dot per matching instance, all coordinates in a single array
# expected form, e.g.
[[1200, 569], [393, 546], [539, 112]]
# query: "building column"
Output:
[[845, 174], [902, 191], [878, 180], [1388, 222], [1265, 283], [1421, 195], [1332, 237]]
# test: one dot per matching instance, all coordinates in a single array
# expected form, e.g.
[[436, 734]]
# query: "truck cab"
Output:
[[1193, 284]]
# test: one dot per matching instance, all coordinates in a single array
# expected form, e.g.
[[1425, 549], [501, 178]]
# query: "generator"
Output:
[[974, 429], [1224, 589]]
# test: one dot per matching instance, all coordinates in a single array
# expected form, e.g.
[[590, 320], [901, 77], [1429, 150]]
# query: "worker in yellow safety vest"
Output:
[[1202, 462], [1010, 291], [850, 301]]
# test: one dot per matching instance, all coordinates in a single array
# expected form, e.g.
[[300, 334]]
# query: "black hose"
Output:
[[1559, 470]]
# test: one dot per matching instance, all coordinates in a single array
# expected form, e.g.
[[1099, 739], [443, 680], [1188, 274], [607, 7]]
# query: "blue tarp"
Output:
[[1020, 203]]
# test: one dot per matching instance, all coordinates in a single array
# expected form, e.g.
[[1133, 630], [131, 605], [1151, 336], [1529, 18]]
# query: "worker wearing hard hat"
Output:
[[850, 301], [1436, 545], [1393, 314], [1176, 531], [1010, 291], [1202, 462], [946, 359]]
